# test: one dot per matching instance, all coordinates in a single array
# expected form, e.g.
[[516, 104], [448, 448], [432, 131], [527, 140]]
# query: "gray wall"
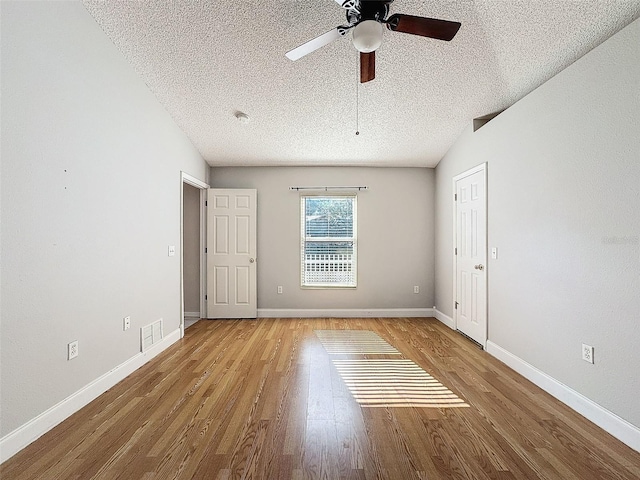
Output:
[[191, 247], [90, 201], [563, 199], [395, 235]]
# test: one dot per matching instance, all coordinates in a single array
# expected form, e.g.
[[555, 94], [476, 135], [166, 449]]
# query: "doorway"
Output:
[[191, 254], [470, 253], [192, 242]]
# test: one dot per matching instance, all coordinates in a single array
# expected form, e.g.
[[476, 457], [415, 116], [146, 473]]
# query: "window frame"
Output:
[[304, 239]]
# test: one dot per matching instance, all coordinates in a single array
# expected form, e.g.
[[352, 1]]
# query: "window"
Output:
[[328, 241]]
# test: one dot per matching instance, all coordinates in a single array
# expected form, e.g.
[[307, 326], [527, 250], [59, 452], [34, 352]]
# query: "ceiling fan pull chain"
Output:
[[357, 94]]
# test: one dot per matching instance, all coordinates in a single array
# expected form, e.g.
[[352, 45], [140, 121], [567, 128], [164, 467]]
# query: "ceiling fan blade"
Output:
[[425, 27], [349, 4], [316, 43], [367, 66]]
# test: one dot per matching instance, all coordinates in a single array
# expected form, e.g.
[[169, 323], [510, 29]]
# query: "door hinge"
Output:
[[205, 249], [205, 297], [457, 305], [455, 197], [456, 250], [206, 204]]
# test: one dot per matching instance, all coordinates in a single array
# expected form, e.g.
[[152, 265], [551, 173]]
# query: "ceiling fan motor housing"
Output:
[[369, 10]]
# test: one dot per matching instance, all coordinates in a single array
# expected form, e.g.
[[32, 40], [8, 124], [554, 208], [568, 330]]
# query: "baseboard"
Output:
[[195, 315], [344, 313], [22, 436], [446, 319], [608, 421]]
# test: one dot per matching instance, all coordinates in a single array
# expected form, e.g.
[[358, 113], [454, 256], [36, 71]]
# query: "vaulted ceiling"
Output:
[[207, 60]]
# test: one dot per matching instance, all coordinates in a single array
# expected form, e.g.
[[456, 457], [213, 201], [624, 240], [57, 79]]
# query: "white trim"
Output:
[[608, 421], [471, 171], [446, 319], [478, 168], [22, 436], [192, 315], [344, 313], [193, 181]]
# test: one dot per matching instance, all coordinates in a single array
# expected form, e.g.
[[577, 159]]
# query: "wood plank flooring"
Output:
[[263, 399]]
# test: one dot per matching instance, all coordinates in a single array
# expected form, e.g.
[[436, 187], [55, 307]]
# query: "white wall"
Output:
[[395, 235], [90, 201], [563, 211]]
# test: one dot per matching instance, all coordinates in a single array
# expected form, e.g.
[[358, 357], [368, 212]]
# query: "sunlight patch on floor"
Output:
[[354, 342], [394, 383], [383, 382]]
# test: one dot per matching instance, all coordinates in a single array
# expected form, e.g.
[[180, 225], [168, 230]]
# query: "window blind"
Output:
[[328, 241]]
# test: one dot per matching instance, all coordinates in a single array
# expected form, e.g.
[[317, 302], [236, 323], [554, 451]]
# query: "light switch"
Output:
[[494, 253], [172, 250]]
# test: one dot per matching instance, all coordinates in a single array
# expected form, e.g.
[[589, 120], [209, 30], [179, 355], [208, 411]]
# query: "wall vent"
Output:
[[480, 122], [150, 334]]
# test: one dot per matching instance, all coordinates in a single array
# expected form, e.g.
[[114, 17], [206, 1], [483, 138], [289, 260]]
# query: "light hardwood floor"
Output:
[[265, 400]]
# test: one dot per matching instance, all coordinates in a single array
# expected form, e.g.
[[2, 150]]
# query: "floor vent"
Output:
[[150, 334]]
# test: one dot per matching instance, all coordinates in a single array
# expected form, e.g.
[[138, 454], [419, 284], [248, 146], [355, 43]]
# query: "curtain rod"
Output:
[[326, 189]]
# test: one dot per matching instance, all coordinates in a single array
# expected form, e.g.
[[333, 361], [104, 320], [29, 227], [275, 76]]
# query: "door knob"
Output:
[[251, 260], [479, 267]]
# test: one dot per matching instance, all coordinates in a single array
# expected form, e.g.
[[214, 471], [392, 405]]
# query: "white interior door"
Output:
[[471, 254], [231, 253]]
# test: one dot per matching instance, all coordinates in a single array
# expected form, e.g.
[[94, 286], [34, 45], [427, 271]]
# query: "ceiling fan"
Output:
[[366, 18]]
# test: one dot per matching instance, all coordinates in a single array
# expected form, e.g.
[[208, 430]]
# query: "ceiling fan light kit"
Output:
[[367, 36], [365, 18]]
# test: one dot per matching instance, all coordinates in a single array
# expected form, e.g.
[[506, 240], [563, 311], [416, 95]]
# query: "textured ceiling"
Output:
[[206, 60]]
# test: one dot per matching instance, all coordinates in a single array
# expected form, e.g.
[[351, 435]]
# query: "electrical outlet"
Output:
[[587, 353], [171, 250], [279, 289], [126, 323], [416, 289], [72, 350]]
